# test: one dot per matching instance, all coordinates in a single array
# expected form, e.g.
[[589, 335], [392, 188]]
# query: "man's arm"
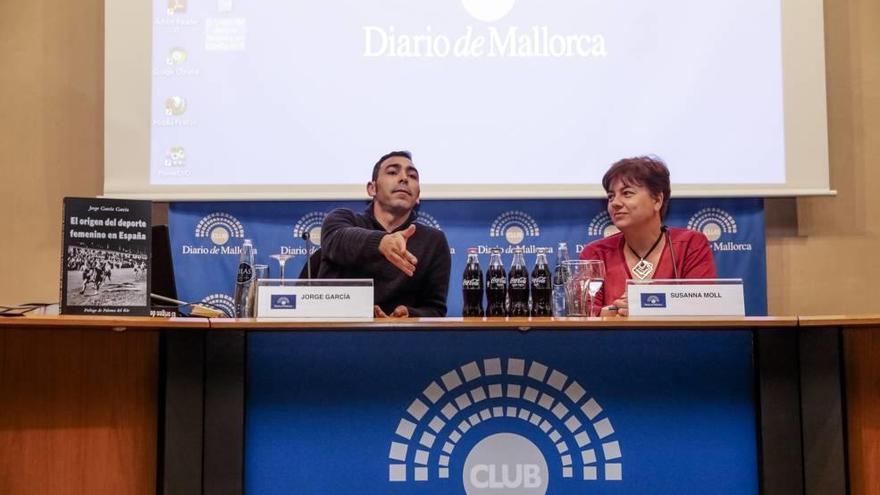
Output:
[[432, 300], [345, 243]]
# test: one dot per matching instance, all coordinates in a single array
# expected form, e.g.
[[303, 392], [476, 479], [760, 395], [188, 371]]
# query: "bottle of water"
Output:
[[560, 276], [244, 278]]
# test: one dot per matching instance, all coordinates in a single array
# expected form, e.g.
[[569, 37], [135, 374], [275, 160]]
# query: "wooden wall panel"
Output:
[[78, 412], [862, 354]]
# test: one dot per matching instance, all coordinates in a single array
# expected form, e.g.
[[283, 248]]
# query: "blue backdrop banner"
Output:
[[206, 237], [469, 412]]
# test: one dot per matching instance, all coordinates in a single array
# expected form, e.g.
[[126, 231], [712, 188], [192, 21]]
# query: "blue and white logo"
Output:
[[488, 10], [713, 223], [514, 226], [716, 223], [548, 403], [653, 300], [311, 223], [219, 227], [283, 301], [222, 302], [601, 226], [427, 219]]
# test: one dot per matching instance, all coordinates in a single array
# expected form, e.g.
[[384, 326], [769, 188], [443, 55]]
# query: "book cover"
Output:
[[105, 262]]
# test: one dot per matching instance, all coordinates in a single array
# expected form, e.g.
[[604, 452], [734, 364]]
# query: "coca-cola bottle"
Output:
[[496, 285], [518, 285], [542, 287], [472, 286]]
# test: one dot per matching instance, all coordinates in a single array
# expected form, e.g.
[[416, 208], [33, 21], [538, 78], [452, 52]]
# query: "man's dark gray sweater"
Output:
[[350, 249]]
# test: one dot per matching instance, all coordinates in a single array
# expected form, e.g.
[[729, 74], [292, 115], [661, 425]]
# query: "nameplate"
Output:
[[722, 297], [316, 298]]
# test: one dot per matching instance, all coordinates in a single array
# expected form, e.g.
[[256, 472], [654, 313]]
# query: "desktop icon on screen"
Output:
[[177, 56], [176, 7], [175, 105]]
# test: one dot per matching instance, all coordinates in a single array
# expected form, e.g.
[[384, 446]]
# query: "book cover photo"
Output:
[[106, 257]]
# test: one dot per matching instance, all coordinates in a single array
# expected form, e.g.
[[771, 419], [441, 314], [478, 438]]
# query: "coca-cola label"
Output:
[[539, 281], [518, 282], [245, 273], [472, 283], [497, 282]]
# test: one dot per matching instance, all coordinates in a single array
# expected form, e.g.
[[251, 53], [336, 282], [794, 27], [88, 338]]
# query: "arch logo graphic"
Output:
[[222, 302], [310, 223], [488, 10], [554, 410], [601, 226], [515, 227], [427, 220], [716, 223], [220, 228]]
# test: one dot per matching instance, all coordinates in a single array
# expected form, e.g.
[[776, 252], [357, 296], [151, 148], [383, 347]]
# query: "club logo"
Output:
[[488, 10], [219, 227], [515, 227], [310, 223], [538, 403], [601, 226], [651, 300], [427, 220], [221, 302]]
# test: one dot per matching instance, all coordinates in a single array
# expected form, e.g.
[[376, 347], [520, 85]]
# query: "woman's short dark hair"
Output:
[[646, 171], [405, 154]]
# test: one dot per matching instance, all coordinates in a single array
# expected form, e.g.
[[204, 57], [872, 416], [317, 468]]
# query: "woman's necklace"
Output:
[[644, 268]]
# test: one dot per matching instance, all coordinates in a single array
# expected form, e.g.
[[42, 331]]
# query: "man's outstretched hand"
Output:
[[393, 248], [399, 312]]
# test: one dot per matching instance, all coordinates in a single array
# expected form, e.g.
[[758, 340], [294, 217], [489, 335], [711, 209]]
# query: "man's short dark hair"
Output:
[[405, 154]]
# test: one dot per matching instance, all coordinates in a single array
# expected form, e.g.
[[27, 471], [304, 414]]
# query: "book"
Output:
[[105, 262]]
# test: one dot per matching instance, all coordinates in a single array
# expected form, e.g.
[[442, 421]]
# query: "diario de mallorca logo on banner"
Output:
[[716, 223], [599, 227], [484, 41], [537, 405], [222, 302], [310, 224], [515, 227], [218, 228]]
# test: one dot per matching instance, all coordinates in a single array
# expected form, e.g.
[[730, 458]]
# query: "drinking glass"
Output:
[[596, 275], [282, 260], [577, 288]]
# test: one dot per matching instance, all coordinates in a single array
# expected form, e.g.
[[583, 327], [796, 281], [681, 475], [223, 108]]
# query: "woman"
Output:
[[638, 198]]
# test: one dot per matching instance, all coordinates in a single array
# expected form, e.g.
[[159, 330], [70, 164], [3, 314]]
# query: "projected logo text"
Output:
[[493, 42], [555, 416], [514, 42]]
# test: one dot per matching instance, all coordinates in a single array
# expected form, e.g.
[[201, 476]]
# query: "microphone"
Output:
[[665, 230], [305, 237]]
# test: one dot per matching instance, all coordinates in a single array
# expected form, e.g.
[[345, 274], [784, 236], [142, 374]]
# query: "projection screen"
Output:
[[286, 99]]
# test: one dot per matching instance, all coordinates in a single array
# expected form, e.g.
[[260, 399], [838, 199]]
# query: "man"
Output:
[[409, 264]]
